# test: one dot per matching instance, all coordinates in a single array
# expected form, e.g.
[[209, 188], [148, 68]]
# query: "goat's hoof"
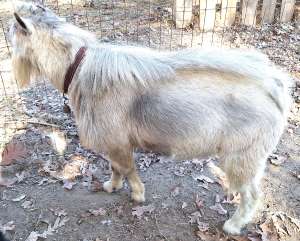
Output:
[[138, 197], [108, 187], [231, 228]]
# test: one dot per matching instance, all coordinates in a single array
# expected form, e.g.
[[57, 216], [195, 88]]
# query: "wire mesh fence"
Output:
[[29, 116]]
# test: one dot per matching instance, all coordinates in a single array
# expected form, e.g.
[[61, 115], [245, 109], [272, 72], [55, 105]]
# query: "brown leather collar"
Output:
[[72, 68]]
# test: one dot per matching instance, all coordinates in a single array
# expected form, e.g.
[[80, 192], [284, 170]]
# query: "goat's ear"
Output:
[[21, 22]]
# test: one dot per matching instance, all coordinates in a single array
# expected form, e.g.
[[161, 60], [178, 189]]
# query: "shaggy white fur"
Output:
[[190, 103]]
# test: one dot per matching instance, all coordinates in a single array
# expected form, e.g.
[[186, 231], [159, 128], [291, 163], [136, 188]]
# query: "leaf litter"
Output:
[[203, 178], [98, 212], [68, 184], [10, 226], [175, 191], [12, 152], [219, 209], [139, 211], [59, 222], [276, 160], [27, 205], [19, 198]]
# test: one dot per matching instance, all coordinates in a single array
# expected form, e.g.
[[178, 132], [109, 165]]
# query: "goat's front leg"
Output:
[[123, 165], [116, 181]]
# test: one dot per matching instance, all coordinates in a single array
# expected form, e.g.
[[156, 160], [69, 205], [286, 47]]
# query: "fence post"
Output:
[[207, 14], [297, 17], [268, 11], [228, 11], [183, 12], [249, 12], [287, 10]]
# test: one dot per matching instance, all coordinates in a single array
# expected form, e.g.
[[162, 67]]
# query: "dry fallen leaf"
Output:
[[207, 236], [33, 236], [218, 207], [199, 162], [175, 191], [26, 205], [21, 176], [284, 224], [8, 227], [98, 212], [184, 205], [18, 199], [277, 160], [140, 210], [7, 182], [232, 198], [280, 228], [59, 212], [297, 175], [106, 222], [68, 184], [12, 152], [165, 205], [219, 173], [95, 185], [59, 222], [194, 217], [119, 210], [203, 178], [216, 235], [203, 227], [253, 236], [199, 202], [203, 184], [268, 232]]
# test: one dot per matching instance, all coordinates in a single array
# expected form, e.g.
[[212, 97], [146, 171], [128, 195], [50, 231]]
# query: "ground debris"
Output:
[[68, 184], [10, 226], [278, 226], [27, 205], [94, 185], [184, 205], [19, 198], [98, 212], [234, 198], [12, 152], [203, 178], [199, 202], [59, 222], [139, 211], [145, 160], [194, 217], [208, 234], [276, 160], [219, 209], [175, 191]]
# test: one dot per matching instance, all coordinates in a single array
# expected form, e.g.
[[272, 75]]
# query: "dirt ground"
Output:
[[54, 191]]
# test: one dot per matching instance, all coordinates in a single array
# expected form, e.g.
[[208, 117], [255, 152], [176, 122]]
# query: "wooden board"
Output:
[[287, 10], [228, 12], [249, 12], [268, 11], [207, 14], [182, 12]]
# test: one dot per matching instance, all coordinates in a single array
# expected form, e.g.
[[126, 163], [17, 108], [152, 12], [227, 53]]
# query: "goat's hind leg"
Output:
[[243, 177], [246, 209]]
